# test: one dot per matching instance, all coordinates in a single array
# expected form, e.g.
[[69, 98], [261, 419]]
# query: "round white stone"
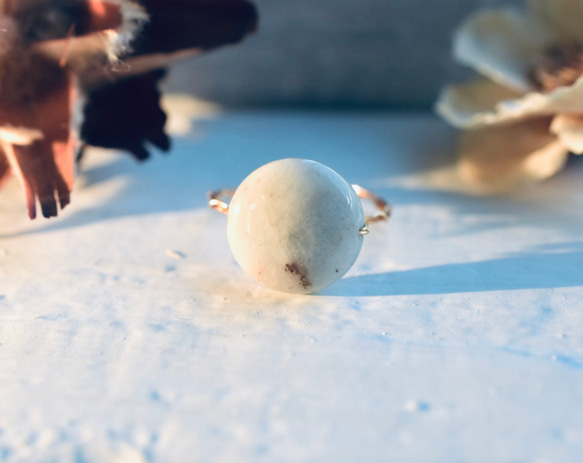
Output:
[[293, 225]]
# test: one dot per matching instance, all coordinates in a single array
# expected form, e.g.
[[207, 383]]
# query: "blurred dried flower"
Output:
[[525, 114]]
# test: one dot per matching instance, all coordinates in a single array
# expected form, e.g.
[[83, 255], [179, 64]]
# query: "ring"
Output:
[[295, 225]]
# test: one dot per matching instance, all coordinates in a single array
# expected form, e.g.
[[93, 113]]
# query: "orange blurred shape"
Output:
[[104, 15]]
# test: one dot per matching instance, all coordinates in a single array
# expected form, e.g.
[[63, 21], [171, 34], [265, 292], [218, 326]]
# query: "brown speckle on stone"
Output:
[[297, 270]]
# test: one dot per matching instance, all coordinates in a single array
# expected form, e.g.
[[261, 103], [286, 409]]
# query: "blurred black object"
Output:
[[125, 114], [203, 24]]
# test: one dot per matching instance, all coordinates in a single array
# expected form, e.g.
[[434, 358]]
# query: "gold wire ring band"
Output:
[[382, 215], [215, 201], [384, 208]]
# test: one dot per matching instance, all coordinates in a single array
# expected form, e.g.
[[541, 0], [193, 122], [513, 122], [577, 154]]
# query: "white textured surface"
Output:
[[456, 337], [294, 225]]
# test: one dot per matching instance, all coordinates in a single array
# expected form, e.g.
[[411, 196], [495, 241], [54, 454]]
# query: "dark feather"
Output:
[[124, 112], [203, 24], [127, 115], [41, 20]]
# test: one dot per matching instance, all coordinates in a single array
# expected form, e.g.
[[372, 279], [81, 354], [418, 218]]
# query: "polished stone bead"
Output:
[[294, 225]]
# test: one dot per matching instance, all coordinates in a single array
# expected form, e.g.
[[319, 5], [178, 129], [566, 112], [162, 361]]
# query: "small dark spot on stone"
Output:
[[336, 270], [296, 269]]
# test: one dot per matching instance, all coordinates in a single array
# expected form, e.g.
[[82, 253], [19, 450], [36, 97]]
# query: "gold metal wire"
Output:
[[382, 215], [215, 201], [384, 208]]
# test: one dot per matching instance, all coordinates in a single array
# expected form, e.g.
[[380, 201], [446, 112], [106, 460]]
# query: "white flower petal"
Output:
[[502, 45], [479, 104], [474, 104], [569, 129], [562, 99], [562, 16], [498, 159]]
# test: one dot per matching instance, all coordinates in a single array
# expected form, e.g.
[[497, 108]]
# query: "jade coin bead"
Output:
[[294, 225]]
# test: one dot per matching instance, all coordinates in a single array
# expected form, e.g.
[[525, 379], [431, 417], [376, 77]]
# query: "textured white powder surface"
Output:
[[129, 334]]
